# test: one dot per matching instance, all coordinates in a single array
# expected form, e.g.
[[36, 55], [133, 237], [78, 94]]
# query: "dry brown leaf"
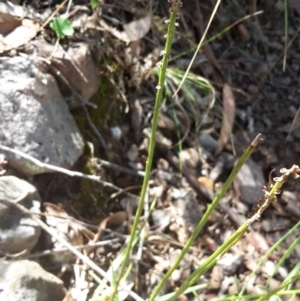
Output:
[[56, 217], [295, 124], [210, 243], [117, 219], [62, 221], [228, 118], [135, 48], [258, 241], [133, 31], [54, 210], [250, 264], [136, 116], [244, 33], [19, 36], [8, 24], [216, 278], [207, 182], [75, 64]]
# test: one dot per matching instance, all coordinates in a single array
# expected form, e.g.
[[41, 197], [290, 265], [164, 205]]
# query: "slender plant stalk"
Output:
[[265, 201], [199, 45], [210, 261], [256, 296], [279, 288], [160, 87], [206, 215], [217, 35], [282, 259]]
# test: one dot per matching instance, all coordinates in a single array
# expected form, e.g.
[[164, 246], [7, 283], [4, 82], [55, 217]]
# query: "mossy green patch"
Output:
[[109, 112]]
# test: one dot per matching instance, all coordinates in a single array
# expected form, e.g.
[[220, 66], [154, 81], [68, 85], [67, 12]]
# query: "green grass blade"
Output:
[[159, 94], [205, 217], [272, 249]]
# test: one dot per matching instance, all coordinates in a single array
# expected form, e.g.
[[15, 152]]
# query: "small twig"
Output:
[[87, 225], [121, 168], [89, 245], [94, 128], [68, 246], [125, 190], [49, 167], [53, 14], [293, 124]]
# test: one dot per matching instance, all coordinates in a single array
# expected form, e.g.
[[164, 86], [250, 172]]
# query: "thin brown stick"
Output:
[[53, 14], [72, 89], [89, 245], [121, 168], [49, 167]]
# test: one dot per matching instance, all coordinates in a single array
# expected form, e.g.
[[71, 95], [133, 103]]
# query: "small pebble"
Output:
[[133, 153], [244, 33], [261, 69], [189, 157], [252, 89]]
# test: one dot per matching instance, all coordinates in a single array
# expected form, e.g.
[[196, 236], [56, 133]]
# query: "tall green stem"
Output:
[[205, 217], [159, 94]]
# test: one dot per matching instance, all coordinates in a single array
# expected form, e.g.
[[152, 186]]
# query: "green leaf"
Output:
[[62, 27], [94, 4]]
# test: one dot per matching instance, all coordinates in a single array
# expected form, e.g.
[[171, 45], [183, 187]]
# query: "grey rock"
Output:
[[207, 142], [35, 118], [249, 183], [161, 219], [230, 263], [185, 208], [18, 232], [27, 281], [189, 157]]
